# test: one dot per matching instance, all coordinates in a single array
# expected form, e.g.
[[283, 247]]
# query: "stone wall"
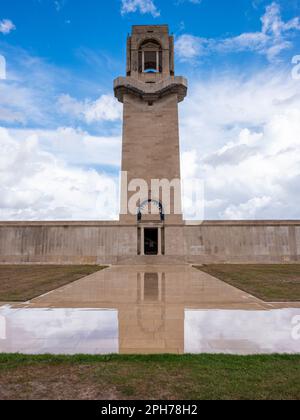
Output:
[[236, 242], [110, 243], [66, 243]]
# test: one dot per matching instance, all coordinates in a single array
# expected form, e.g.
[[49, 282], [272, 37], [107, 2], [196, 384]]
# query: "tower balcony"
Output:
[[150, 91]]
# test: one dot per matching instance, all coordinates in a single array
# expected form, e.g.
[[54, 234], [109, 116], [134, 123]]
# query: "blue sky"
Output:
[[60, 127]]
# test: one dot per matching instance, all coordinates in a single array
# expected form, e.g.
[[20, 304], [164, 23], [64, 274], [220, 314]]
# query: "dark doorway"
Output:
[[151, 241]]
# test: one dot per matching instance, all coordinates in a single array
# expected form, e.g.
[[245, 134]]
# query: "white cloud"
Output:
[[31, 101], [30, 92], [19, 103], [36, 184], [273, 23], [106, 108], [270, 41], [6, 26], [54, 173], [2, 67], [142, 6], [189, 46], [245, 141], [247, 210], [59, 4], [75, 146]]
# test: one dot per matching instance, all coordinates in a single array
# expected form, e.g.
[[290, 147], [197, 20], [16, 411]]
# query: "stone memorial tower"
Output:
[[150, 93], [150, 230]]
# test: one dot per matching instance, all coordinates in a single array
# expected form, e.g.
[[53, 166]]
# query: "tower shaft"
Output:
[[150, 151]]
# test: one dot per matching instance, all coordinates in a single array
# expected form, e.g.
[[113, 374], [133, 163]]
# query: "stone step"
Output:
[[151, 260]]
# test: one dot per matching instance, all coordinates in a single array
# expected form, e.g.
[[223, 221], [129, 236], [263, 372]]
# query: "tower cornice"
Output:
[[151, 91]]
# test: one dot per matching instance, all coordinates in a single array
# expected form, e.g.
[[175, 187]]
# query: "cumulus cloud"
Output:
[[142, 6], [189, 47], [19, 103], [270, 41], [48, 172], [37, 184], [243, 141], [105, 108], [76, 146], [6, 26], [247, 210]]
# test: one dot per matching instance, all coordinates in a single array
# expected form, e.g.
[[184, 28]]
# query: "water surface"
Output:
[[163, 309]]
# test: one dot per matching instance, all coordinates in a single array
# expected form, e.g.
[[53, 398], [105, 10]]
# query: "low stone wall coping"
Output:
[[245, 223], [187, 223], [63, 223]]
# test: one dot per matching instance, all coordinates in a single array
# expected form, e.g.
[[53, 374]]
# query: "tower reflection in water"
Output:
[[150, 325]]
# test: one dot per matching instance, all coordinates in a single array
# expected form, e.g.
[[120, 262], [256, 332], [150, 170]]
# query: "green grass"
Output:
[[271, 283], [19, 283], [200, 377]]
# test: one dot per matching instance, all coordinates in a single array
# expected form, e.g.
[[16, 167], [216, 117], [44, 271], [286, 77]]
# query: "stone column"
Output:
[[142, 241], [143, 61], [159, 242]]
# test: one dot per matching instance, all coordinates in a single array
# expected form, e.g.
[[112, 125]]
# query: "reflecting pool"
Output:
[[144, 309]]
